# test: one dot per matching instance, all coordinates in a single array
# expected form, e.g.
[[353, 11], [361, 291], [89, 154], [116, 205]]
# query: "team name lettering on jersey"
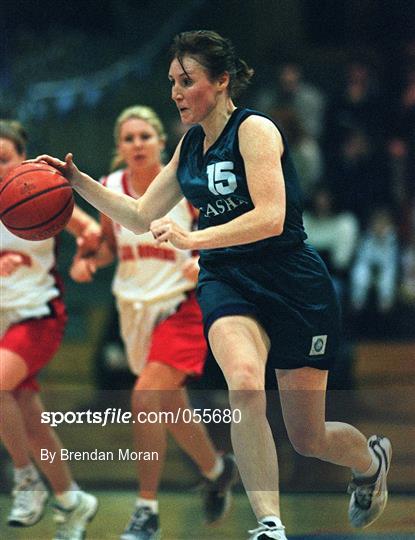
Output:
[[220, 206], [143, 251]]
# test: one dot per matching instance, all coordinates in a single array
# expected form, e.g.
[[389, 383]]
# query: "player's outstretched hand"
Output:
[[68, 168], [165, 229]]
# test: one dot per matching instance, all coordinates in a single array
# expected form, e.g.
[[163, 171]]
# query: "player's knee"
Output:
[[145, 401], [307, 444], [245, 376]]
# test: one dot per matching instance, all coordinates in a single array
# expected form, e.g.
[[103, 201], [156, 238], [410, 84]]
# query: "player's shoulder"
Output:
[[256, 122], [258, 129]]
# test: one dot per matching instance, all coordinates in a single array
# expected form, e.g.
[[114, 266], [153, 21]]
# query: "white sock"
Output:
[[267, 520], [22, 473], [373, 467], [216, 470], [69, 498], [153, 504]]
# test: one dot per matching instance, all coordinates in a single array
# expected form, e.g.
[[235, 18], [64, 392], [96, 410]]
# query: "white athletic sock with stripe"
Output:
[[68, 499], [271, 521], [153, 504], [216, 470], [373, 467]]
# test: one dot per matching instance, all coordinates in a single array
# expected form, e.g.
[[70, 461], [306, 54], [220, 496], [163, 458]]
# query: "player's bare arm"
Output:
[[136, 215], [84, 265]]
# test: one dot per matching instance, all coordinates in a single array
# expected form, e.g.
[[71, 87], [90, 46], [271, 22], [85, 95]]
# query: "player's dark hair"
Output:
[[216, 54], [14, 132]]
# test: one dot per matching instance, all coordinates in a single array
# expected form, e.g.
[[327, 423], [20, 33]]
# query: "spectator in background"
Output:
[[408, 273], [357, 176], [359, 108], [334, 234], [291, 91], [305, 150], [408, 261], [377, 264], [401, 145]]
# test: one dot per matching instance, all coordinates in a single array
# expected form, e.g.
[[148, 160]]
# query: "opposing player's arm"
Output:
[[80, 221], [136, 215], [261, 147], [84, 265]]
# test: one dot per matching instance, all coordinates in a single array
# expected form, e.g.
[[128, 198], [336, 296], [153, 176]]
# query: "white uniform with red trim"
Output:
[[147, 272], [26, 292], [148, 284]]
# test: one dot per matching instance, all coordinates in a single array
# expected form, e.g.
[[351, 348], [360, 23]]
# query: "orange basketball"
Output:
[[36, 201]]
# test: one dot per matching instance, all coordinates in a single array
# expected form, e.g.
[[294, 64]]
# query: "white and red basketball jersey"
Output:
[[147, 272], [27, 291]]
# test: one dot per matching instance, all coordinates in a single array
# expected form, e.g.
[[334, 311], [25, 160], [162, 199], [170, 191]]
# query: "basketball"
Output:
[[36, 201]]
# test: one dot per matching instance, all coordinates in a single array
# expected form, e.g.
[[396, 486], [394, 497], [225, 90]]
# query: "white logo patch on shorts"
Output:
[[318, 345]]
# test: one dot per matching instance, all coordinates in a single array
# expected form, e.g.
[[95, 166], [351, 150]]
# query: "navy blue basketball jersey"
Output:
[[215, 183]]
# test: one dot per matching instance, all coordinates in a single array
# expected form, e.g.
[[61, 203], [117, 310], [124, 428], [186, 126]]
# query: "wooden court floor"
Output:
[[306, 516]]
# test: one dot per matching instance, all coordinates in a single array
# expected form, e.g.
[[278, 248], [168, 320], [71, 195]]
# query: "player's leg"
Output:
[[159, 388], [29, 494], [147, 397], [240, 347], [149, 437], [192, 436], [180, 344], [219, 472], [303, 401], [42, 436], [13, 370], [74, 507]]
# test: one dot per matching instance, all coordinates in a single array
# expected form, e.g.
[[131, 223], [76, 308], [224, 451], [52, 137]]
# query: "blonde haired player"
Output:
[[32, 323], [161, 324]]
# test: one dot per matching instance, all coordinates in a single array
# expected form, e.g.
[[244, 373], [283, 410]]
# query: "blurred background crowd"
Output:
[[338, 77], [355, 152]]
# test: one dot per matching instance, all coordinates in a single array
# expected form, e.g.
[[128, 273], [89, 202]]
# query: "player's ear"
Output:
[[223, 80]]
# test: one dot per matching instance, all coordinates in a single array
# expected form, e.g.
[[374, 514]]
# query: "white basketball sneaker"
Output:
[[369, 495], [29, 502], [268, 532], [72, 523]]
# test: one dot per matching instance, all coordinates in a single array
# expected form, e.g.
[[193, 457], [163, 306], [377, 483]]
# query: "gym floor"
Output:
[[306, 517]]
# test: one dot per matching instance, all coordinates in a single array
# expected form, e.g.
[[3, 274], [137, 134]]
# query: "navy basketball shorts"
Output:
[[291, 295]]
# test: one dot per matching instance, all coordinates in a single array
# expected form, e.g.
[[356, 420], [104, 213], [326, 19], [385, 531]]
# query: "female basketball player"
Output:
[[32, 322], [264, 293], [161, 324]]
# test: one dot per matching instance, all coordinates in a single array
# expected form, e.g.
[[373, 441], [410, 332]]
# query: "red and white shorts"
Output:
[[36, 340], [169, 331]]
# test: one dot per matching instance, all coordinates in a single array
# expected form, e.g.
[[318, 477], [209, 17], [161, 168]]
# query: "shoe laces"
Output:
[[267, 528], [139, 518]]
